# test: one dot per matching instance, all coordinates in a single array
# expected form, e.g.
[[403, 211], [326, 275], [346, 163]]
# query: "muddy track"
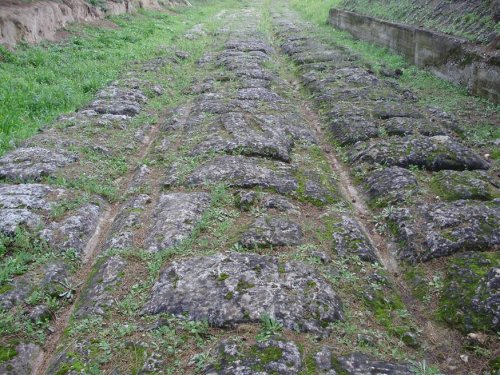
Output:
[[267, 224]]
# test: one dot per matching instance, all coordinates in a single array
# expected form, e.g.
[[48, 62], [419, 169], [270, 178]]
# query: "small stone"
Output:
[[360, 364], [245, 199], [266, 231], [410, 339], [39, 313], [365, 339]]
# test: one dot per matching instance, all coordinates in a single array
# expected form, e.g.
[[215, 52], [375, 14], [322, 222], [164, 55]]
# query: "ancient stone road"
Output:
[[232, 209]]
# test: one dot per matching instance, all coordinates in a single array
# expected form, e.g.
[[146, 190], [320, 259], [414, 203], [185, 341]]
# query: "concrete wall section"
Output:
[[447, 57]]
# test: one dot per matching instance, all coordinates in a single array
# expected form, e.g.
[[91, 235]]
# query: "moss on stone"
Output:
[[310, 367], [269, 354], [338, 367], [5, 288], [265, 356], [7, 353], [415, 277], [386, 306], [464, 276], [452, 186], [243, 286], [222, 277]]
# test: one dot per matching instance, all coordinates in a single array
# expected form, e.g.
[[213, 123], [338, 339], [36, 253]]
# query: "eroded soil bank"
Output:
[[35, 21], [295, 212]]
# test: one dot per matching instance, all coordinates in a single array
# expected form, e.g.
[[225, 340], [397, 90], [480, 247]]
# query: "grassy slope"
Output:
[[38, 83], [479, 116], [473, 21]]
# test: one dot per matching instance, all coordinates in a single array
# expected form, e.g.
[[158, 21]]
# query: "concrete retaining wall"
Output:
[[450, 58]]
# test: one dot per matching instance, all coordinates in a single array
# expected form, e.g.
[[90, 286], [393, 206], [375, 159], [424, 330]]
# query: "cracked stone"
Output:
[[97, 296], [393, 184], [272, 231], [122, 232], [438, 230], [470, 298], [432, 153], [454, 185], [229, 289], [17, 292], [245, 172], [349, 239], [73, 232], [362, 364], [174, 218], [270, 357], [32, 163]]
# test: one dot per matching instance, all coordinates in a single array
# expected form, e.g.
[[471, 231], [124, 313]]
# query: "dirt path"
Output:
[[275, 221]]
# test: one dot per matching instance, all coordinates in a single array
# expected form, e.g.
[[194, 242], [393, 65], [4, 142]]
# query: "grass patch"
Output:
[[476, 24], [430, 90], [465, 289], [40, 82]]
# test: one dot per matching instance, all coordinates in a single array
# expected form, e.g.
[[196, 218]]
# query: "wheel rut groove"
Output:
[[281, 218]]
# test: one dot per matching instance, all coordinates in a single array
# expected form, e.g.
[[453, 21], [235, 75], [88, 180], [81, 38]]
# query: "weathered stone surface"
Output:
[[308, 57], [270, 357], [249, 45], [437, 230], [97, 296], [23, 363], [174, 218], [228, 289], [116, 107], [18, 290], [258, 93], [323, 360], [453, 185], [432, 153], [362, 364], [129, 220], [32, 163], [349, 239], [122, 101], [406, 125], [277, 202], [491, 291], [349, 130], [393, 184], [74, 231], [25, 205], [470, 300], [241, 136], [272, 231], [29, 205], [53, 275], [246, 172]]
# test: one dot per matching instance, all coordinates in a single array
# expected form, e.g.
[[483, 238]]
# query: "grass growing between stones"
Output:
[[479, 114], [38, 83], [475, 25]]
